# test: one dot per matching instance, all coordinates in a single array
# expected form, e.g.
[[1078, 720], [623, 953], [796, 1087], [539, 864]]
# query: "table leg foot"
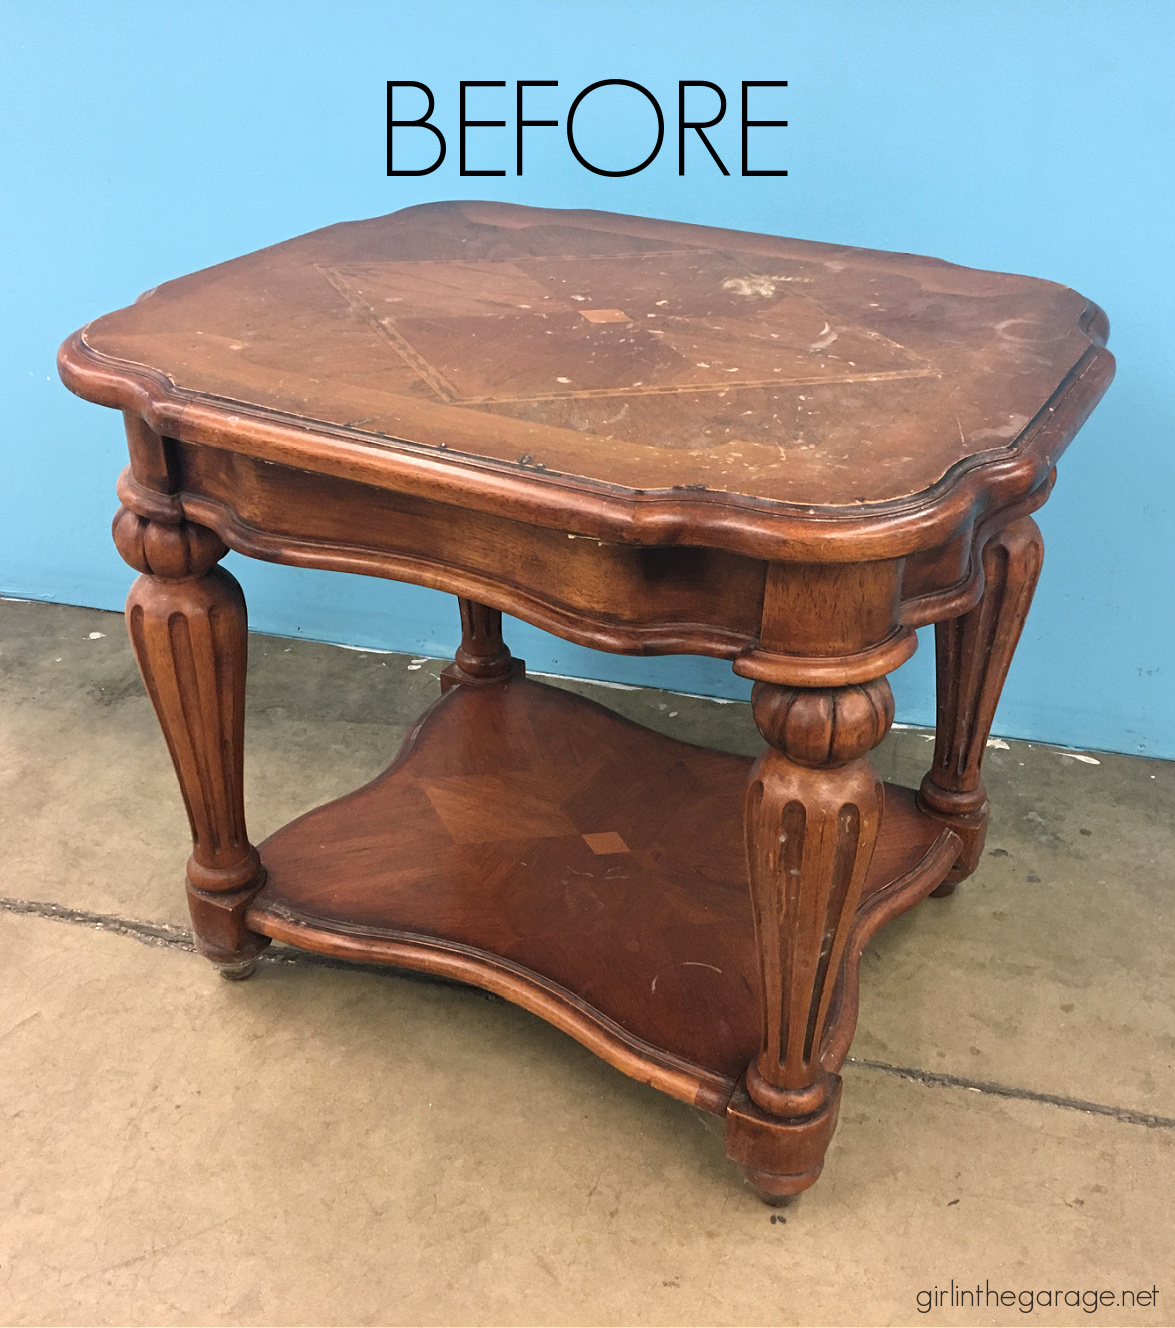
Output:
[[764, 1183], [238, 971], [218, 924], [483, 656], [780, 1157]]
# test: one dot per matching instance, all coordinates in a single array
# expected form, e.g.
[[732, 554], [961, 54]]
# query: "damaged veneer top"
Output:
[[509, 351]]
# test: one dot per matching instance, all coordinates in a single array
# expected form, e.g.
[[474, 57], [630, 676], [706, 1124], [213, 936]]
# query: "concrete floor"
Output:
[[324, 1145]]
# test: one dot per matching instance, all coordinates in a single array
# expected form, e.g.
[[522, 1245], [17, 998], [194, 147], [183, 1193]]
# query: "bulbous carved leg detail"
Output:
[[187, 624], [812, 813], [482, 656], [973, 654]]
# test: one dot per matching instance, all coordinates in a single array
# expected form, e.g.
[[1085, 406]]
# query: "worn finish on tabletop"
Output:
[[646, 437]]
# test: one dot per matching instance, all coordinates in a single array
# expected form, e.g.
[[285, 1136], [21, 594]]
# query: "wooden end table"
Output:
[[644, 437]]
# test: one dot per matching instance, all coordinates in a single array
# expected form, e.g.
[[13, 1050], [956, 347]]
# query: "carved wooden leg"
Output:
[[482, 656], [812, 811], [973, 655], [187, 624]]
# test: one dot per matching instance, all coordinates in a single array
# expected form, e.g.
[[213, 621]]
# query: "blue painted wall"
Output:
[[143, 140]]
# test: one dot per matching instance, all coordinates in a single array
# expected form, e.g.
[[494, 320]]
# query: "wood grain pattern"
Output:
[[424, 352], [974, 653], [478, 855], [646, 437], [767, 617], [631, 598]]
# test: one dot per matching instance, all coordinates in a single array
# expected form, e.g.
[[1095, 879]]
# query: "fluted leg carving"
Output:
[[187, 623], [812, 812], [973, 655], [482, 655]]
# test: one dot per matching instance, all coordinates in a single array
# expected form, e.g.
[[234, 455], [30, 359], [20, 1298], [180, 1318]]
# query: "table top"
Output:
[[561, 357]]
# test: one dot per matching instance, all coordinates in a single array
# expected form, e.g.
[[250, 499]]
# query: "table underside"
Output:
[[533, 843]]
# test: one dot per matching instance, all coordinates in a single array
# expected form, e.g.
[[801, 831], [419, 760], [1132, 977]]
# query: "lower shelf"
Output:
[[533, 843]]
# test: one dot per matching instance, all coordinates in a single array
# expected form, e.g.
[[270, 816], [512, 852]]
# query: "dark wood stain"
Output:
[[645, 437], [478, 834]]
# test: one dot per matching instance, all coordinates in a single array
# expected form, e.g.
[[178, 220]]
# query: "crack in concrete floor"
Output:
[[153, 933], [318, 1147]]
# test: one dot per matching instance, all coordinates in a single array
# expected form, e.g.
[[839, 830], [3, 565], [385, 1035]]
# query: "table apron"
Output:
[[622, 598]]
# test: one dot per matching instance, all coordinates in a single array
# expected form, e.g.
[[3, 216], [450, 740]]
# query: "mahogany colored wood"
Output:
[[974, 653], [532, 842], [779, 402], [743, 364], [813, 811], [482, 655], [646, 437], [186, 619]]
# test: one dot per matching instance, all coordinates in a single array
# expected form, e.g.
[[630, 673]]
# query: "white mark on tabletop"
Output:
[[998, 743], [750, 286], [94, 636]]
